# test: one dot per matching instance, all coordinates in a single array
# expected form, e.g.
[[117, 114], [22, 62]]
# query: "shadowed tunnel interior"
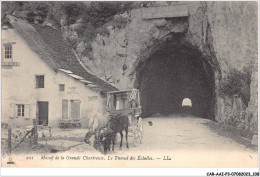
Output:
[[173, 74]]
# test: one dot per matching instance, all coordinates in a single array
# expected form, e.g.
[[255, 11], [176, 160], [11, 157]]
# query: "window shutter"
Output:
[[75, 109], [12, 110], [27, 111], [64, 109], [41, 85]]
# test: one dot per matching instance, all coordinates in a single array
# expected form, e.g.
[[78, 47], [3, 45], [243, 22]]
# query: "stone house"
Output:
[[43, 79]]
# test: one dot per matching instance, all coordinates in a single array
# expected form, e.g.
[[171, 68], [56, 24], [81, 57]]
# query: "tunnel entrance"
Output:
[[186, 102], [171, 74]]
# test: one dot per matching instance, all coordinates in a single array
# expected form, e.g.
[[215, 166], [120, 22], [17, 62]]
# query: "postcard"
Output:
[[129, 84]]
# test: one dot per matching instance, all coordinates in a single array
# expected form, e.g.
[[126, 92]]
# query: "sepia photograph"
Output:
[[129, 84]]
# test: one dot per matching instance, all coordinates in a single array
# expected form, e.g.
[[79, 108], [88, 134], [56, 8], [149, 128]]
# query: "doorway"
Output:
[[43, 112]]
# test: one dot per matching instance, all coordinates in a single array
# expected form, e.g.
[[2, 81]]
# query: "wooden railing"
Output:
[[10, 63]]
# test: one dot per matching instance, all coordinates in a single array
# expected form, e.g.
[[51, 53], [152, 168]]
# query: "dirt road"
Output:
[[172, 141], [185, 133], [190, 142]]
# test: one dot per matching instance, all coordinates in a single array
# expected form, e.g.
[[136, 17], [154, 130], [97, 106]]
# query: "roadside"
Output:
[[232, 134]]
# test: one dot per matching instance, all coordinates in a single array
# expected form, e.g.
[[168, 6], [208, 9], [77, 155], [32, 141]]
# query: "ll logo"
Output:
[[10, 161]]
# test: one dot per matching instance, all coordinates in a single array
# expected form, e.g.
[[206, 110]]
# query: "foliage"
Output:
[[8, 7], [72, 10], [239, 123], [32, 9], [94, 17], [236, 83], [88, 54], [96, 13], [90, 32], [117, 22], [233, 120], [100, 13]]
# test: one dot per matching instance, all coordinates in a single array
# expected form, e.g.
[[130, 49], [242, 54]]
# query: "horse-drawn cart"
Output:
[[124, 115], [127, 102]]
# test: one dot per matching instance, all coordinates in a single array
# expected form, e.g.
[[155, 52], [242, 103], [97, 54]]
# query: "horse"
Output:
[[119, 123], [103, 139]]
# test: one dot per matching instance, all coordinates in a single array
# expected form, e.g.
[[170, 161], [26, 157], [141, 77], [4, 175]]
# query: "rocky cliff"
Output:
[[224, 32]]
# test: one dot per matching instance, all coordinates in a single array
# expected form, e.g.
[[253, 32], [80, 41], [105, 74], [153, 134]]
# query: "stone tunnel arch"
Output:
[[173, 72]]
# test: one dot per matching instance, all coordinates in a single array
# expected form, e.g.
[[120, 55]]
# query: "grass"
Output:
[[233, 134]]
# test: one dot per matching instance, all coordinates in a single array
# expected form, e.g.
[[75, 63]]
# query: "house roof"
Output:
[[49, 44]]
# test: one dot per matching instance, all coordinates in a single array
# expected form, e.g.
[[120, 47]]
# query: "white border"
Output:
[[119, 171], [125, 171]]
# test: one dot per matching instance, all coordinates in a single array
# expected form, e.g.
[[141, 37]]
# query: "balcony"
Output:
[[10, 64]]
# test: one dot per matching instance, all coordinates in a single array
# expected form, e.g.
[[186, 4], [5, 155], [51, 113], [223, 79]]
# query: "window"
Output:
[[72, 107], [39, 81], [8, 51], [121, 102], [20, 110], [62, 87], [117, 105]]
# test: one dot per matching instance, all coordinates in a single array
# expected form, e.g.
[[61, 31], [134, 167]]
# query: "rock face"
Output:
[[225, 33], [234, 31]]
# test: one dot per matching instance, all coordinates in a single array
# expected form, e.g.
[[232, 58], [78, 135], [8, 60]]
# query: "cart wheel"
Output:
[[17, 136]]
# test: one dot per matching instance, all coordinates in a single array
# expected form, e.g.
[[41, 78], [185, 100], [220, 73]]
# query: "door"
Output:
[[43, 112]]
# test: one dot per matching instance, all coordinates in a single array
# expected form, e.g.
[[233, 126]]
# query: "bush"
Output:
[[72, 10], [88, 32], [94, 16], [33, 10], [239, 123], [236, 83], [117, 22], [103, 31]]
